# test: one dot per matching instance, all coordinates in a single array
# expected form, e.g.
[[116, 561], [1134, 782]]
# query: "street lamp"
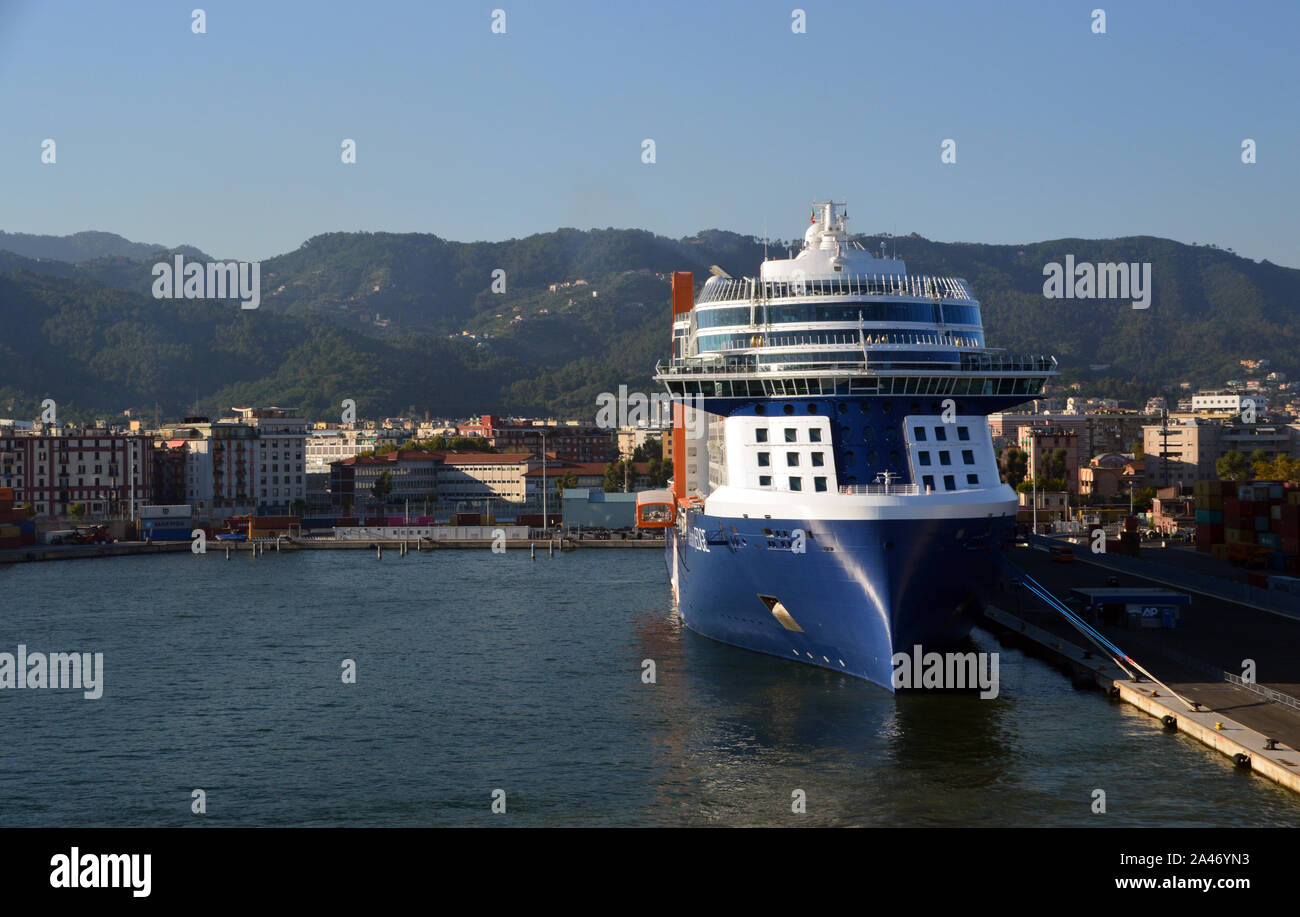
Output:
[[1034, 483]]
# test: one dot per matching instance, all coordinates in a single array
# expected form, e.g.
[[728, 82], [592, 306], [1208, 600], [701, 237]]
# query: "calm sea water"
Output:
[[478, 672]]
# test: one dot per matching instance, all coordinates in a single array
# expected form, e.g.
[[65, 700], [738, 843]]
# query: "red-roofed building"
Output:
[[414, 476], [472, 476], [589, 474]]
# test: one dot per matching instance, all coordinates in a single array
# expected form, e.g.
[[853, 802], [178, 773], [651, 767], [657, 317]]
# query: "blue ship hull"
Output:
[[860, 591]]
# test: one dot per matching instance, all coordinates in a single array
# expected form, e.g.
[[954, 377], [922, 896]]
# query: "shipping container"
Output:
[[159, 533], [267, 522]]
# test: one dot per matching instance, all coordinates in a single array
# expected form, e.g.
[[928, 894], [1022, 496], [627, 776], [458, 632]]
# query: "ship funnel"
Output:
[[683, 292]]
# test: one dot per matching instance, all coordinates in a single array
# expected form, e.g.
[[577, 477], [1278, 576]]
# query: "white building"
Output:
[[469, 476], [254, 462], [1227, 402]]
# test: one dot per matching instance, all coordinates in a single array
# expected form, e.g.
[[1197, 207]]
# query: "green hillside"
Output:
[[410, 320]]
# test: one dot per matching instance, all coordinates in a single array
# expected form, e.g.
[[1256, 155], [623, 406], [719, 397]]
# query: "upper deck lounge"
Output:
[[917, 286]]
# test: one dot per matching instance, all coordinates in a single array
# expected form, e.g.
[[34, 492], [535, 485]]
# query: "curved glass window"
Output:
[[713, 318], [843, 337], [961, 315]]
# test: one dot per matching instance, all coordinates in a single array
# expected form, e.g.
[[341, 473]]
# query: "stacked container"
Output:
[[1256, 524], [16, 530]]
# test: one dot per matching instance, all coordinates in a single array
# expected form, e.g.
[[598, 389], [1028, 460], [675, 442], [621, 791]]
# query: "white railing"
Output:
[[900, 490], [914, 285]]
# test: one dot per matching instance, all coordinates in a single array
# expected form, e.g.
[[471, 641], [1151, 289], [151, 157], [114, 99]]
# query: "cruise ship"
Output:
[[835, 496]]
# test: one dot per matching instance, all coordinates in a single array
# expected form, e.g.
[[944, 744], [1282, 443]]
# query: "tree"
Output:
[[1280, 468], [648, 450], [567, 480], [1142, 499], [658, 470], [1232, 467], [1043, 484], [77, 511], [1015, 466], [614, 476], [382, 487], [1054, 463], [1139, 451]]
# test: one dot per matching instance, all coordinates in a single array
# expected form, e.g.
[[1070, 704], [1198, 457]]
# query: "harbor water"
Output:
[[477, 672]]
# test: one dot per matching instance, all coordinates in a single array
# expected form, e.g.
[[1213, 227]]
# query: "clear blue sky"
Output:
[[230, 140]]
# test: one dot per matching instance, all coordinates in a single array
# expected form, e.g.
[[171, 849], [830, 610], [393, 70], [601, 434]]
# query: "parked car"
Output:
[[1061, 553]]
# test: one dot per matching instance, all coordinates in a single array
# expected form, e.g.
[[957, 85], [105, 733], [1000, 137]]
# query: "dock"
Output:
[[444, 544], [1257, 725], [43, 552]]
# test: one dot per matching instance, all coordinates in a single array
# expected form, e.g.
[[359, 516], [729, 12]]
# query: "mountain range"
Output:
[[402, 322]]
